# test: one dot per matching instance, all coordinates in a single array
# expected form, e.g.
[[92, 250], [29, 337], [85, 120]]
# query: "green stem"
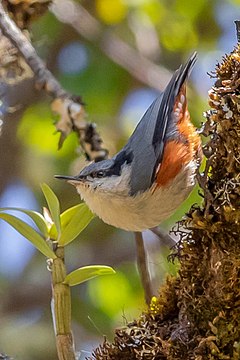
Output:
[[61, 309]]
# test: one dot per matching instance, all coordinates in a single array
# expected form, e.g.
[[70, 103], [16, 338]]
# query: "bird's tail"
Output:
[[169, 98]]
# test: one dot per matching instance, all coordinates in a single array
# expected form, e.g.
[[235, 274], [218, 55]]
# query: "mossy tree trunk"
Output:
[[197, 314]]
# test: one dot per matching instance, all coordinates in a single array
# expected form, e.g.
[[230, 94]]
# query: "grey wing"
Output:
[[147, 141], [142, 150]]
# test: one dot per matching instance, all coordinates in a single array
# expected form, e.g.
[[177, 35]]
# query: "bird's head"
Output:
[[109, 176]]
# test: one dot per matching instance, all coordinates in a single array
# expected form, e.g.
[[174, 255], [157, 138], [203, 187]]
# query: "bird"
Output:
[[149, 178]]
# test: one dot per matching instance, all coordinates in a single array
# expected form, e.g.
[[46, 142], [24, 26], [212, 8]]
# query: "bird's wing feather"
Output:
[[147, 141]]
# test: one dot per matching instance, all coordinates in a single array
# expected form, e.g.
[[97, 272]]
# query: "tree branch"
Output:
[[69, 107], [43, 76]]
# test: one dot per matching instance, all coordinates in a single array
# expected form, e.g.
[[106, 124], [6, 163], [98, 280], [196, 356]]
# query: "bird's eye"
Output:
[[97, 174], [100, 174]]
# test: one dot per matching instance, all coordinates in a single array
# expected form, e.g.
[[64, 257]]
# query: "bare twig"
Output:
[[75, 15], [43, 76], [69, 107], [143, 267]]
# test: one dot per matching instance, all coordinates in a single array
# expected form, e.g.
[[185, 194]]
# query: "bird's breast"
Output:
[[144, 210]]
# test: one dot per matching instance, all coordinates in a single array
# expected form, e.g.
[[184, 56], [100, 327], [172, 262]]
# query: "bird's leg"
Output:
[[164, 237], [143, 267]]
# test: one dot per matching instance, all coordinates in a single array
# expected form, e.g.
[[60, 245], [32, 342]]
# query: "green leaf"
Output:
[[35, 216], [75, 220], [68, 214], [53, 205], [29, 233], [85, 273], [65, 218]]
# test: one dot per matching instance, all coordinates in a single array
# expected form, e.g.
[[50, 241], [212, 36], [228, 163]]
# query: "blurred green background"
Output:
[[106, 52]]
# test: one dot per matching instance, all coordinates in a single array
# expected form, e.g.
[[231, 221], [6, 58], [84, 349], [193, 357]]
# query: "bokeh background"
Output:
[[117, 55]]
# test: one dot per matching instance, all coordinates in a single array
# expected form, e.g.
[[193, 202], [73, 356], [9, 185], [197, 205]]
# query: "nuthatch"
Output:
[[145, 182]]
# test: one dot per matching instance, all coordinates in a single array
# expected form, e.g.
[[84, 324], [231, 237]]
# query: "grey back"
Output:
[[156, 126]]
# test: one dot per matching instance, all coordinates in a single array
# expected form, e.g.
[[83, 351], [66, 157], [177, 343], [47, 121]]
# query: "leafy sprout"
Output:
[[56, 227]]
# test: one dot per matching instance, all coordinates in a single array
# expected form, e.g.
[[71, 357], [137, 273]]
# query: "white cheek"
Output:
[[119, 185], [107, 188]]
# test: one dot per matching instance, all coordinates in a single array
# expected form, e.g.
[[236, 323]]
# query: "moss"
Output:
[[166, 301], [197, 315], [209, 294], [146, 337]]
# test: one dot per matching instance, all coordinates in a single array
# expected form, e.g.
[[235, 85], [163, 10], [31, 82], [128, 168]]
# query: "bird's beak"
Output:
[[74, 180]]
